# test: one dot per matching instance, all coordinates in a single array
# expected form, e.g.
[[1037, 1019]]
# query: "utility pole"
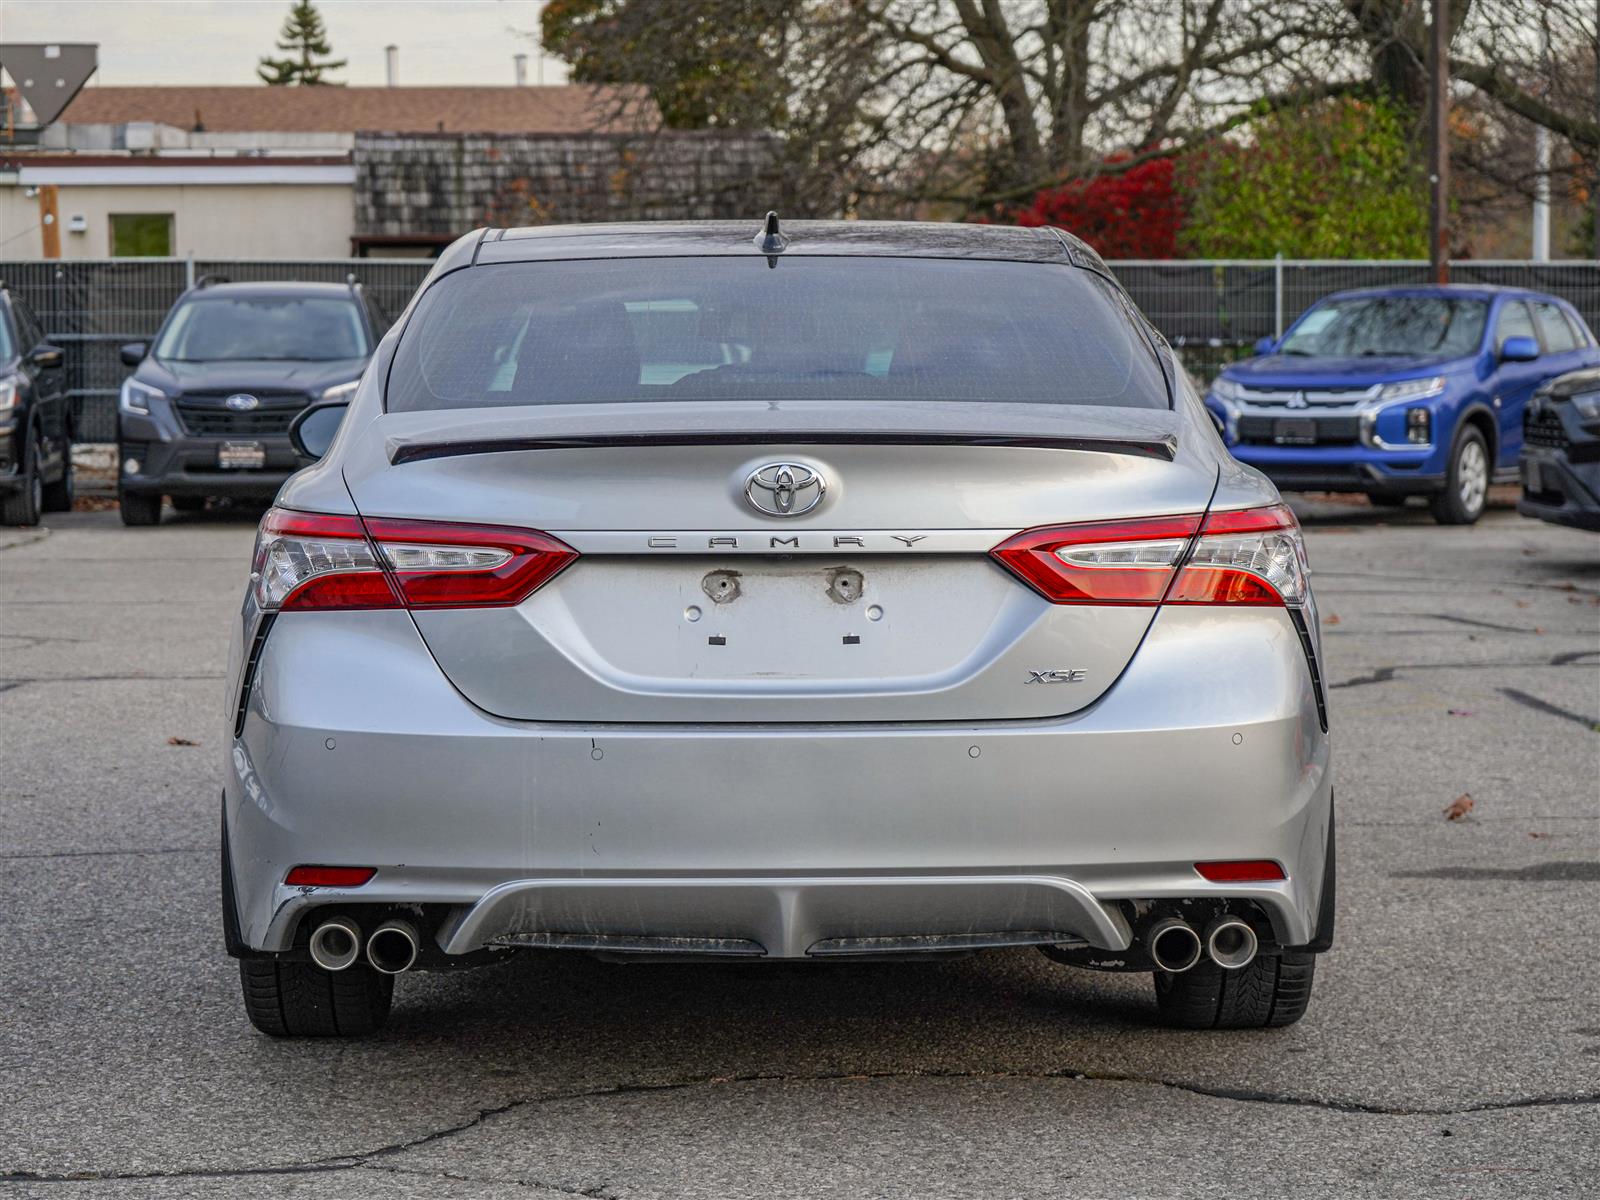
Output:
[[1439, 143], [1541, 159]]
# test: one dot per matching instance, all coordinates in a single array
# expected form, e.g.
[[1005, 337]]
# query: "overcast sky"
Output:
[[220, 41]]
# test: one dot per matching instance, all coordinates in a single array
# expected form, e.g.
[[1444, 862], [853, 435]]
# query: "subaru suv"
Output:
[[724, 591], [1399, 392], [35, 418], [207, 410]]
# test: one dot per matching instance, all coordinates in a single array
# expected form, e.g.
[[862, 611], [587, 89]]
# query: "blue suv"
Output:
[[1400, 392]]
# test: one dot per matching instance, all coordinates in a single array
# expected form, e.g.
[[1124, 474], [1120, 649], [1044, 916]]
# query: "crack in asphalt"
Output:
[[1552, 710], [31, 854], [366, 1159], [1388, 673]]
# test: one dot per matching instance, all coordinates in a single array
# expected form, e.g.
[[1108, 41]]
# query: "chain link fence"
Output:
[[1213, 311]]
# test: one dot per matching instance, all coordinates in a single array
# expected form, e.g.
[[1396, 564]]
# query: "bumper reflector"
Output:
[[329, 876], [1249, 870]]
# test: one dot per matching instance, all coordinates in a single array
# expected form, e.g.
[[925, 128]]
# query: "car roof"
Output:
[[1480, 291], [247, 290], [898, 239]]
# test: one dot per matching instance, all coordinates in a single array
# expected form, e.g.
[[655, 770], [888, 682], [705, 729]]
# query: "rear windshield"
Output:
[[1386, 326], [232, 329], [606, 330]]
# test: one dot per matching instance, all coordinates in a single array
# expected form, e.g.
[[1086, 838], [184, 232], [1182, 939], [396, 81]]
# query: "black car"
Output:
[[1561, 451], [207, 411], [35, 418]]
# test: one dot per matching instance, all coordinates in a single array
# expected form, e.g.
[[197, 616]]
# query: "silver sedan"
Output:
[[843, 591]]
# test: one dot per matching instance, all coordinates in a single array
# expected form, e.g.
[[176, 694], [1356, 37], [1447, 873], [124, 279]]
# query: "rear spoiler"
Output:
[[1165, 448]]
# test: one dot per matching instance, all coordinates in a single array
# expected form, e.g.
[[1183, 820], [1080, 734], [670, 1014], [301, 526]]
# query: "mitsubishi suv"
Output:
[[1399, 392], [830, 592], [207, 410]]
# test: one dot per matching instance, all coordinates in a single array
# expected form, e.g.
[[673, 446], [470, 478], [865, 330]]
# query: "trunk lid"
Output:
[[690, 603]]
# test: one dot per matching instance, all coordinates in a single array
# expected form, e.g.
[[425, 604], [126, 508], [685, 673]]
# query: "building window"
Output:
[[141, 235]]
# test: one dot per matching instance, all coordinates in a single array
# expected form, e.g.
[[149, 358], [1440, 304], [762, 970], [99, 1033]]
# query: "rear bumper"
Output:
[[355, 750]]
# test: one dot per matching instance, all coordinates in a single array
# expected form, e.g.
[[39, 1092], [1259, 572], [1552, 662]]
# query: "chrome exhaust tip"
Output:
[[392, 948], [1231, 942], [335, 944], [1174, 945]]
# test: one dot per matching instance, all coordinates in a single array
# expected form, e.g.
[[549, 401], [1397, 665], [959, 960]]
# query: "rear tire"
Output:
[[1466, 487], [139, 509], [295, 999], [58, 496], [22, 506], [1271, 991]]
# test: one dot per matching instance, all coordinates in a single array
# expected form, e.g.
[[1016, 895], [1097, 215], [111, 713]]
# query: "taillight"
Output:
[[318, 560], [1109, 562], [1246, 556], [467, 566], [325, 561]]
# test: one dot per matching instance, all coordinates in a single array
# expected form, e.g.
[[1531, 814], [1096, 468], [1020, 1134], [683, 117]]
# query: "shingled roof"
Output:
[[568, 108]]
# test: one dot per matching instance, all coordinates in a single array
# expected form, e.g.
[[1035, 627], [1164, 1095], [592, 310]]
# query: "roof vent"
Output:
[[771, 239]]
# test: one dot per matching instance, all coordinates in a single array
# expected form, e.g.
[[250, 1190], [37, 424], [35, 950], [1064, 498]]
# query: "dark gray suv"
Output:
[[207, 410]]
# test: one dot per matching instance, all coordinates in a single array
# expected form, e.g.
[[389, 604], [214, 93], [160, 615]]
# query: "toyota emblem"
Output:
[[784, 489]]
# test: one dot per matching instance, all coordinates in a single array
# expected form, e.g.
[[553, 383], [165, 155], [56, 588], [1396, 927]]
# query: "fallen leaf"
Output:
[[1538, 629], [1459, 712], [178, 741], [1523, 604], [1459, 807], [1537, 835], [1331, 619]]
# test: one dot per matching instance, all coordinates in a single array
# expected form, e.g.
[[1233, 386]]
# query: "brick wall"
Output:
[[410, 184]]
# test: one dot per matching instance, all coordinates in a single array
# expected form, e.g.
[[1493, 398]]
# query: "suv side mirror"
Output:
[[133, 353], [1266, 345], [313, 430], [47, 357], [1519, 349]]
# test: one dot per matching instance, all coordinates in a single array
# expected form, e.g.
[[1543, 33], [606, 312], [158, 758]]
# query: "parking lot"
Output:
[[1452, 1048]]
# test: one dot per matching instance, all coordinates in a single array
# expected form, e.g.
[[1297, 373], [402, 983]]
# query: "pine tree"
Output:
[[304, 36]]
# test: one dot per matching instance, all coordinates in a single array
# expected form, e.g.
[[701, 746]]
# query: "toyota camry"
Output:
[[819, 591]]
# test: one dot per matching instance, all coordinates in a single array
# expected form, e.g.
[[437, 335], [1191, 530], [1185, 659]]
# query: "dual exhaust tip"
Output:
[[391, 947], [1175, 945]]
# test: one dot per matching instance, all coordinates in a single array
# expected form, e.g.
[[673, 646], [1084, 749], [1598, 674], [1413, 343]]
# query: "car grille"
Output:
[[212, 420], [1545, 429], [1327, 398], [1300, 431]]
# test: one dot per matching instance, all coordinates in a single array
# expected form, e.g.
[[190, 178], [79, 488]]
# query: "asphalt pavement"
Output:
[[1452, 1048]]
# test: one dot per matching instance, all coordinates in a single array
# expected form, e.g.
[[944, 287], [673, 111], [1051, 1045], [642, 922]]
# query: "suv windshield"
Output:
[[1409, 326], [234, 328], [816, 328]]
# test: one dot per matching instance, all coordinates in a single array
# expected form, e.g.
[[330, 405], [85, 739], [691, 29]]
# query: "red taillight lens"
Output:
[[1247, 556], [318, 561], [1250, 870], [467, 566], [328, 561], [329, 876], [1109, 562]]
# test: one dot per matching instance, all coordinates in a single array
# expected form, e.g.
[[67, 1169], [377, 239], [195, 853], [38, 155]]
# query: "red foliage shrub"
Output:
[[1134, 213]]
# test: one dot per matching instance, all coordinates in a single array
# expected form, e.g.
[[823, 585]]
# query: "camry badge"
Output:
[[784, 489], [241, 402]]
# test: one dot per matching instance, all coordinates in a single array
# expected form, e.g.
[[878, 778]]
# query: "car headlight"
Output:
[[1413, 389], [1587, 406], [1226, 389], [8, 394], [340, 391], [136, 396]]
